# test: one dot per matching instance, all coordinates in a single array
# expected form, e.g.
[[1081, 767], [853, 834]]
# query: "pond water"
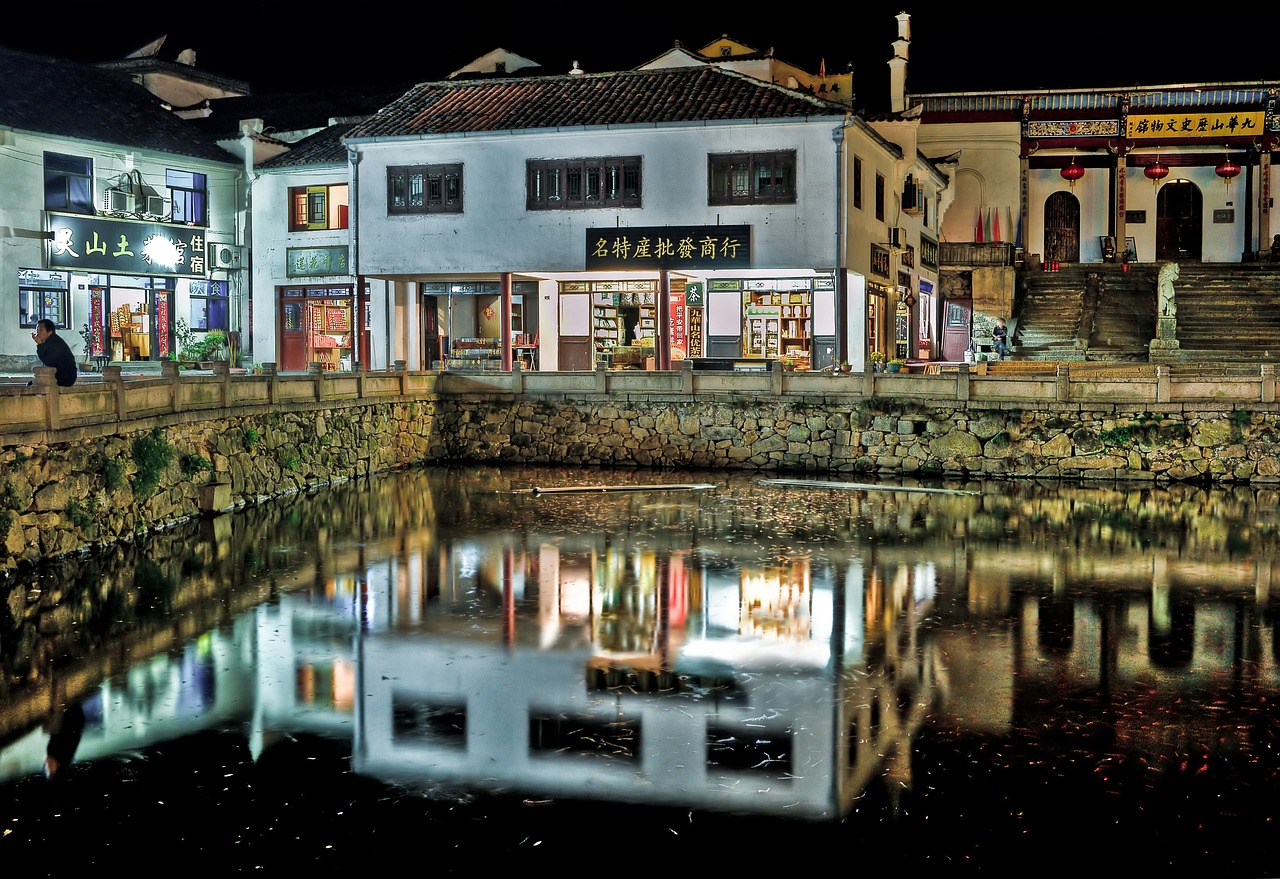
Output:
[[461, 667]]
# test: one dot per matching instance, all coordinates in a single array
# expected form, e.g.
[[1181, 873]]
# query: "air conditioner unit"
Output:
[[226, 256], [117, 202], [157, 206]]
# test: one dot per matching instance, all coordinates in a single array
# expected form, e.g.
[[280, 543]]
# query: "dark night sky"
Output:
[[295, 45]]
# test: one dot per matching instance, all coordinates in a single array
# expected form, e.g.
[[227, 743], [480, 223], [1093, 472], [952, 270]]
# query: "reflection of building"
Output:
[[722, 685]]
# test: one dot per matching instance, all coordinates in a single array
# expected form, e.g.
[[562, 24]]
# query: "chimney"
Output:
[[898, 66]]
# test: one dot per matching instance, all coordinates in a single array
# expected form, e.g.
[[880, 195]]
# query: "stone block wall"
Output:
[[65, 491]]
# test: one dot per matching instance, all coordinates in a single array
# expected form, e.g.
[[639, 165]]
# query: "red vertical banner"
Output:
[[96, 321], [679, 325], [162, 324]]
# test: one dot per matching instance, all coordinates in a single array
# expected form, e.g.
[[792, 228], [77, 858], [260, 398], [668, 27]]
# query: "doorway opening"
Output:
[[1179, 212]]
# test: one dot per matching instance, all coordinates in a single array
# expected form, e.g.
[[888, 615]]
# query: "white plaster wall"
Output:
[[495, 233], [22, 214], [988, 175]]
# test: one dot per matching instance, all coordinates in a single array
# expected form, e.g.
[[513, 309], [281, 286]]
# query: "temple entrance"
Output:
[[1179, 212], [1062, 227]]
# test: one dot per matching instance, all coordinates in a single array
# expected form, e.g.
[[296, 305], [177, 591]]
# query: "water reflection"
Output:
[[804, 652]]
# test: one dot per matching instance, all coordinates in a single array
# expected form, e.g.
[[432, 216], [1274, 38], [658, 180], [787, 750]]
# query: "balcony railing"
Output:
[[975, 253]]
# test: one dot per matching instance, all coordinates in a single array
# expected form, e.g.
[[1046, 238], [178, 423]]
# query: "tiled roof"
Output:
[[62, 98], [296, 111], [632, 97], [322, 148]]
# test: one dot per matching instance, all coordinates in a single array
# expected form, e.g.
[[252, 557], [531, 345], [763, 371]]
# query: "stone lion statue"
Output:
[[1169, 273]]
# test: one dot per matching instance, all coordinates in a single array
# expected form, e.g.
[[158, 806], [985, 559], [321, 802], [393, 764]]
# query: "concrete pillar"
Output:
[[169, 372], [46, 381], [112, 378], [962, 381], [1268, 382], [1163, 390], [269, 373], [1062, 384]]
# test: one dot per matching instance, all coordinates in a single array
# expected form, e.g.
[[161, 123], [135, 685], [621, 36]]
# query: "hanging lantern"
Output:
[[1156, 171], [1073, 172], [1227, 169]]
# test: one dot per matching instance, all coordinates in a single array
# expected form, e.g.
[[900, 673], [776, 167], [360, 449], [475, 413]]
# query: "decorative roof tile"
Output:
[[631, 97]]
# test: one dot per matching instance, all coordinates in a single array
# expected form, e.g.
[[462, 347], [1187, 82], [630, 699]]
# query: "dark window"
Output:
[[318, 207], [68, 183], [575, 184], [857, 182], [43, 295], [879, 196], [190, 197], [424, 189], [752, 178]]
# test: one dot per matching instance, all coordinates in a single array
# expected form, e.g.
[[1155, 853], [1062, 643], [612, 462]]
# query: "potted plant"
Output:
[[895, 365], [877, 361], [845, 366]]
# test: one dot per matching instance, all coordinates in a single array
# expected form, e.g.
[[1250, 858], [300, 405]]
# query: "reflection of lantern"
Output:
[[1156, 171], [1227, 169], [1073, 172]]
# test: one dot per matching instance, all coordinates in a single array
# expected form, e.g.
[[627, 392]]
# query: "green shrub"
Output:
[[152, 453], [252, 438], [193, 464], [77, 515], [112, 472]]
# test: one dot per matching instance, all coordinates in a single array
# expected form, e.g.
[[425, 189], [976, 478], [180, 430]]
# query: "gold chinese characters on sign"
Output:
[[1210, 125]]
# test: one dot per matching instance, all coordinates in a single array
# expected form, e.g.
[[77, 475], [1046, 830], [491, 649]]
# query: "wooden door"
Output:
[[1062, 227], [957, 318], [293, 337]]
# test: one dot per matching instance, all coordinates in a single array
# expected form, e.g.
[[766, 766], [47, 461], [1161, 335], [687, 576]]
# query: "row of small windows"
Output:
[[69, 187], [576, 184]]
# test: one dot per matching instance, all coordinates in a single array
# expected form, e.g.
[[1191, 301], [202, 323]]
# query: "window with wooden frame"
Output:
[[752, 178], [578, 184], [879, 196], [857, 182], [424, 189], [318, 207]]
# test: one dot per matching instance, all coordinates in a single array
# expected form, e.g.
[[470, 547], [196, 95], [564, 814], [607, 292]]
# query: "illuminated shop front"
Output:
[[462, 323], [319, 319], [131, 281]]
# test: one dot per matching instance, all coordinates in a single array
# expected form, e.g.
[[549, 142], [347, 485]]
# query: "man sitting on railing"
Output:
[[54, 351]]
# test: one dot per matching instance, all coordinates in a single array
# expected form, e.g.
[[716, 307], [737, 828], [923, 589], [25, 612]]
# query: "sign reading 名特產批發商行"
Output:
[[669, 247]]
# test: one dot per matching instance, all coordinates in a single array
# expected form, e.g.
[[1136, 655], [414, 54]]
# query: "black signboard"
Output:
[[669, 247], [126, 247]]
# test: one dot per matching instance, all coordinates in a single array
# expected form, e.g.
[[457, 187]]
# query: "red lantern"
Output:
[[1227, 169], [1156, 172], [1073, 172]]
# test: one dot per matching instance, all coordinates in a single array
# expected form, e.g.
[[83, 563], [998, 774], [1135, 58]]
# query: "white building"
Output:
[[112, 213], [713, 211]]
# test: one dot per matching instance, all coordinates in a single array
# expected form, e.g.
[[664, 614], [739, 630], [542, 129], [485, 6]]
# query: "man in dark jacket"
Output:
[[54, 351]]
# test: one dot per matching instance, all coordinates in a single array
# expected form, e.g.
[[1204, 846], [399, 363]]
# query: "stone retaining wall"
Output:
[[877, 435], [64, 491]]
